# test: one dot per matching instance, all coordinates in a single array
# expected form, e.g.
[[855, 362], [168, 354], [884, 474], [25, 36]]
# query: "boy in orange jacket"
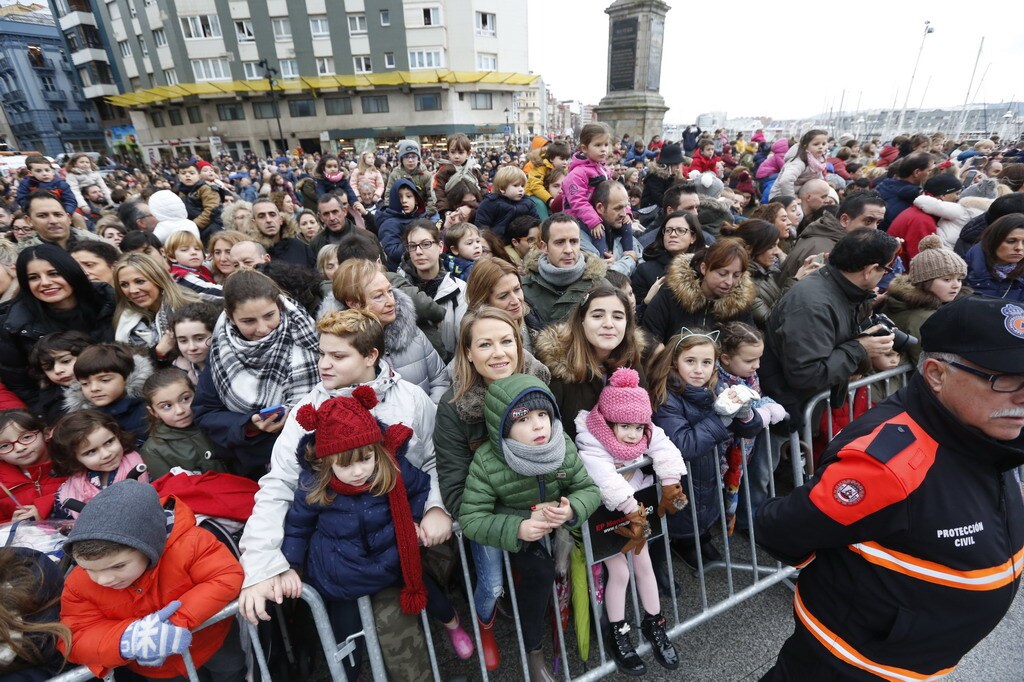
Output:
[[146, 577]]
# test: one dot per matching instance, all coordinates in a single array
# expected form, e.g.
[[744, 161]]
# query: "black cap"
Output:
[[942, 184], [987, 331]]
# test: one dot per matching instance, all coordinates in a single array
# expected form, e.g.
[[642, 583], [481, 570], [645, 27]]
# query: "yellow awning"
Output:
[[316, 83]]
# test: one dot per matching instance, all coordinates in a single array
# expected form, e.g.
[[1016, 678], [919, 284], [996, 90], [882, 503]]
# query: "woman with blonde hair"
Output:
[[489, 349], [146, 296], [362, 285], [238, 216], [218, 249], [367, 172], [496, 282]]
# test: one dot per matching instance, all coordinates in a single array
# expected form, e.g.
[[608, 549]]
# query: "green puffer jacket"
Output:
[[492, 483], [187, 448]]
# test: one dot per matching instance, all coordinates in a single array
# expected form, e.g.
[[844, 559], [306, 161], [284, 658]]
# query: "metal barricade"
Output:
[[897, 377], [739, 580], [333, 651]]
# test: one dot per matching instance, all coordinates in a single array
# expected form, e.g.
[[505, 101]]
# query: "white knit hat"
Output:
[[171, 214]]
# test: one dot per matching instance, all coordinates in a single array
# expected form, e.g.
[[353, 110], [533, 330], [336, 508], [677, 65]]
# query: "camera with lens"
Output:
[[901, 339]]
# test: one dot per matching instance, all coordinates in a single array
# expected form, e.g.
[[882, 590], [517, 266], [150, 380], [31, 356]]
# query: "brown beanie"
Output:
[[935, 260]]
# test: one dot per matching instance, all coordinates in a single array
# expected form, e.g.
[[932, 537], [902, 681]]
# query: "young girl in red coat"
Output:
[[29, 485], [91, 449]]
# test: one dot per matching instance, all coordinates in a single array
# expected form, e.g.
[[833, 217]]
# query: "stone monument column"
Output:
[[636, 36]]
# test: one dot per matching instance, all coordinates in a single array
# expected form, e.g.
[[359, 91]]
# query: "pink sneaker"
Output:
[[461, 641]]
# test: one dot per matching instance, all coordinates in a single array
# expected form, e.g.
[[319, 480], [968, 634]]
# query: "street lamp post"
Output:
[[903, 112], [269, 74], [507, 129]]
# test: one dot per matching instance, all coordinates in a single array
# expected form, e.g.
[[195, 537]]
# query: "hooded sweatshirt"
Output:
[[392, 220]]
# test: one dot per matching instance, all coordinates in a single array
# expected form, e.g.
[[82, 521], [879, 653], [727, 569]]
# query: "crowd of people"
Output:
[[397, 340]]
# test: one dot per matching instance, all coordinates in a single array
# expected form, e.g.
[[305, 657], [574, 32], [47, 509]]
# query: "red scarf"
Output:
[[414, 593]]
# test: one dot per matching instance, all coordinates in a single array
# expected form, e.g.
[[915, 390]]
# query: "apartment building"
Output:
[[211, 76]]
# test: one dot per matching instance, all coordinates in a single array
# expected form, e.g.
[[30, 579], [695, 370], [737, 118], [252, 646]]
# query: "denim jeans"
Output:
[[490, 579]]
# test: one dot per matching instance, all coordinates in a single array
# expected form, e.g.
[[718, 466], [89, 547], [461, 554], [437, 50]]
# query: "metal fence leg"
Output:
[[430, 645], [373, 652], [257, 650], [470, 597], [190, 666], [515, 615]]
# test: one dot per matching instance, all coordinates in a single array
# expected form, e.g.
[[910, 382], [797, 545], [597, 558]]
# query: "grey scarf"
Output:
[[561, 277], [536, 460]]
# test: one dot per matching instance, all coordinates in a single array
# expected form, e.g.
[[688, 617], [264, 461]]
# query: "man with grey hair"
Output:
[[247, 255], [911, 533]]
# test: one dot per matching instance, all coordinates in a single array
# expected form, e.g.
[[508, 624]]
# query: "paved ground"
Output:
[[741, 644]]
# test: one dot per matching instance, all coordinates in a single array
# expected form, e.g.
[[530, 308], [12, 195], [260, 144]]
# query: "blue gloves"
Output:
[[150, 640]]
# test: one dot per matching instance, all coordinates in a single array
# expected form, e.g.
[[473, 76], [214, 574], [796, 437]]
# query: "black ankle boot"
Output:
[[626, 658], [653, 629]]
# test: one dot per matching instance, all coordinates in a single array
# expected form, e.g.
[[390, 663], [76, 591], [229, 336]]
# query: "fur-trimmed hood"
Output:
[[976, 204], [470, 407], [903, 295], [595, 269], [552, 345], [683, 283], [74, 397], [400, 333]]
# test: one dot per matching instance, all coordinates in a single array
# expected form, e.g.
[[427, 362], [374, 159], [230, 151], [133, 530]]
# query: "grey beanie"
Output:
[[986, 189], [408, 147], [532, 400], [128, 513]]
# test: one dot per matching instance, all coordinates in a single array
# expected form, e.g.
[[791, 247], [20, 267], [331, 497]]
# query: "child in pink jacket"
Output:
[[587, 170], [615, 434]]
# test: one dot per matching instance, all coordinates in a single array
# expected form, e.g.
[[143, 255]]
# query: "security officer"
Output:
[[911, 534]]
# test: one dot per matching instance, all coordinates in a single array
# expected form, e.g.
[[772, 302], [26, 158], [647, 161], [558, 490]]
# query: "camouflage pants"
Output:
[[401, 639]]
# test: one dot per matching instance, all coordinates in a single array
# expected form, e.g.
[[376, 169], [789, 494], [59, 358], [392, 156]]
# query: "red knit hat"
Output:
[[202, 163], [344, 424], [341, 423]]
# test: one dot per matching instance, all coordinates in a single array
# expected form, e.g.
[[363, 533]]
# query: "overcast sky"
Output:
[[792, 58]]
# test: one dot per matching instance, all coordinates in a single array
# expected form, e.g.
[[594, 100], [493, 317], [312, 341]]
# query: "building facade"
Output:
[[42, 98], [211, 76]]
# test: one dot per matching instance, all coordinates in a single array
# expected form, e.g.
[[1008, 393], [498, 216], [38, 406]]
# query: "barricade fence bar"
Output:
[[888, 381], [718, 587], [726, 576]]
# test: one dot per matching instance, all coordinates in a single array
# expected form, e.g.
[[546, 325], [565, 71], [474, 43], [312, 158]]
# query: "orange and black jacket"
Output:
[[911, 534]]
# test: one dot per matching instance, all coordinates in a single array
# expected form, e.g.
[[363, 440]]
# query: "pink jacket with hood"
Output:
[[616, 491], [773, 164], [577, 190]]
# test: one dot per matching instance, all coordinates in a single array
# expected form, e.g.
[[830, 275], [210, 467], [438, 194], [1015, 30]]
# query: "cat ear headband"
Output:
[[685, 333]]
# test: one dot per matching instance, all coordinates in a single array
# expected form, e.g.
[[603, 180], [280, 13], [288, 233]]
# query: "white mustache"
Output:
[[1011, 412]]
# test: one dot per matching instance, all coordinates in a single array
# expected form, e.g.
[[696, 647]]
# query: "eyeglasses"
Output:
[[1000, 383], [27, 438], [890, 269], [420, 246], [673, 231]]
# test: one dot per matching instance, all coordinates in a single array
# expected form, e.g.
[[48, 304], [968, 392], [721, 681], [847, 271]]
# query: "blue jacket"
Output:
[[227, 429], [632, 156], [392, 220], [56, 187], [496, 212], [899, 195], [348, 547], [983, 282], [323, 186], [690, 421]]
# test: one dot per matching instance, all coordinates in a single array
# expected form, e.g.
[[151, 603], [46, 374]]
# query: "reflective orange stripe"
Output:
[[981, 579], [806, 561], [846, 653]]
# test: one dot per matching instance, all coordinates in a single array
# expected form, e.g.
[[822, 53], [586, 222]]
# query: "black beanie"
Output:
[[128, 513], [532, 400]]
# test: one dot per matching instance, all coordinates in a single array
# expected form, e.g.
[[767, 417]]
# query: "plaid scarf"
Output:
[[278, 369]]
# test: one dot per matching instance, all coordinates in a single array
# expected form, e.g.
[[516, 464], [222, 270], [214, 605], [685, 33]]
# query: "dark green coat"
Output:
[[552, 303], [167, 448], [492, 484], [459, 430]]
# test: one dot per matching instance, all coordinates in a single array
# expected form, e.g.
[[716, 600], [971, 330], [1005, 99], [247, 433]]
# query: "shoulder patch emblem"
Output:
[[848, 492], [1013, 319], [892, 439]]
